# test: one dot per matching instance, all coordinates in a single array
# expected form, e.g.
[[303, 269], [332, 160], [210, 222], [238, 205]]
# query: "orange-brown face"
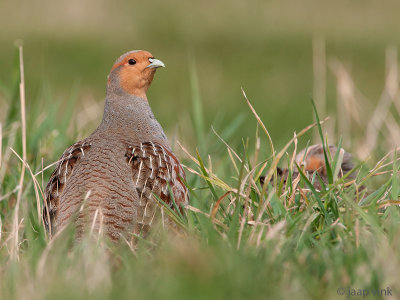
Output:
[[315, 163], [135, 71]]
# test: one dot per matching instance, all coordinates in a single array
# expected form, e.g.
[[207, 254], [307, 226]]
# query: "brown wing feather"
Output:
[[154, 168], [57, 180]]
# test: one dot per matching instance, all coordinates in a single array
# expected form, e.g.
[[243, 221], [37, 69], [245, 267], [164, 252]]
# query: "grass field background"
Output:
[[237, 241], [263, 46]]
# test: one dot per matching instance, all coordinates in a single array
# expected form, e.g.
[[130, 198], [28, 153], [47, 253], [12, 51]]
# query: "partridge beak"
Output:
[[155, 63]]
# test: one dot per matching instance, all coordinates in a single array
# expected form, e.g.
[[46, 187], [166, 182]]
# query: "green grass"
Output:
[[240, 240]]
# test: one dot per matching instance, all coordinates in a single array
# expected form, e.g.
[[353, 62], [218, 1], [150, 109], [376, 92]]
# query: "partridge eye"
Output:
[[132, 61]]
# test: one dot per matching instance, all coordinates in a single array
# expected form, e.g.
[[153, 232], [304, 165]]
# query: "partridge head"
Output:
[[133, 73]]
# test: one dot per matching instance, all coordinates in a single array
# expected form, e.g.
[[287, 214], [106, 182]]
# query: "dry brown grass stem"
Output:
[[230, 151], [261, 124], [380, 164], [47, 167], [217, 204], [216, 221], [15, 228], [233, 161], [36, 186]]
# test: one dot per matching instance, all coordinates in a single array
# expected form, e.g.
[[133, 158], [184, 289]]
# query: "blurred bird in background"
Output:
[[311, 160]]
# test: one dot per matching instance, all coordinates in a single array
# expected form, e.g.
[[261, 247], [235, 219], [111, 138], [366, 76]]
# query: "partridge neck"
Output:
[[132, 118]]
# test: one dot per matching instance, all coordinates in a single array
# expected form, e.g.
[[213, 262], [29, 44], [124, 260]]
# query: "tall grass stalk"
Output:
[[16, 223]]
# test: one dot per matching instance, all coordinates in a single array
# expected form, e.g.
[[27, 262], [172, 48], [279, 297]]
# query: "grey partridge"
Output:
[[312, 160], [109, 181]]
